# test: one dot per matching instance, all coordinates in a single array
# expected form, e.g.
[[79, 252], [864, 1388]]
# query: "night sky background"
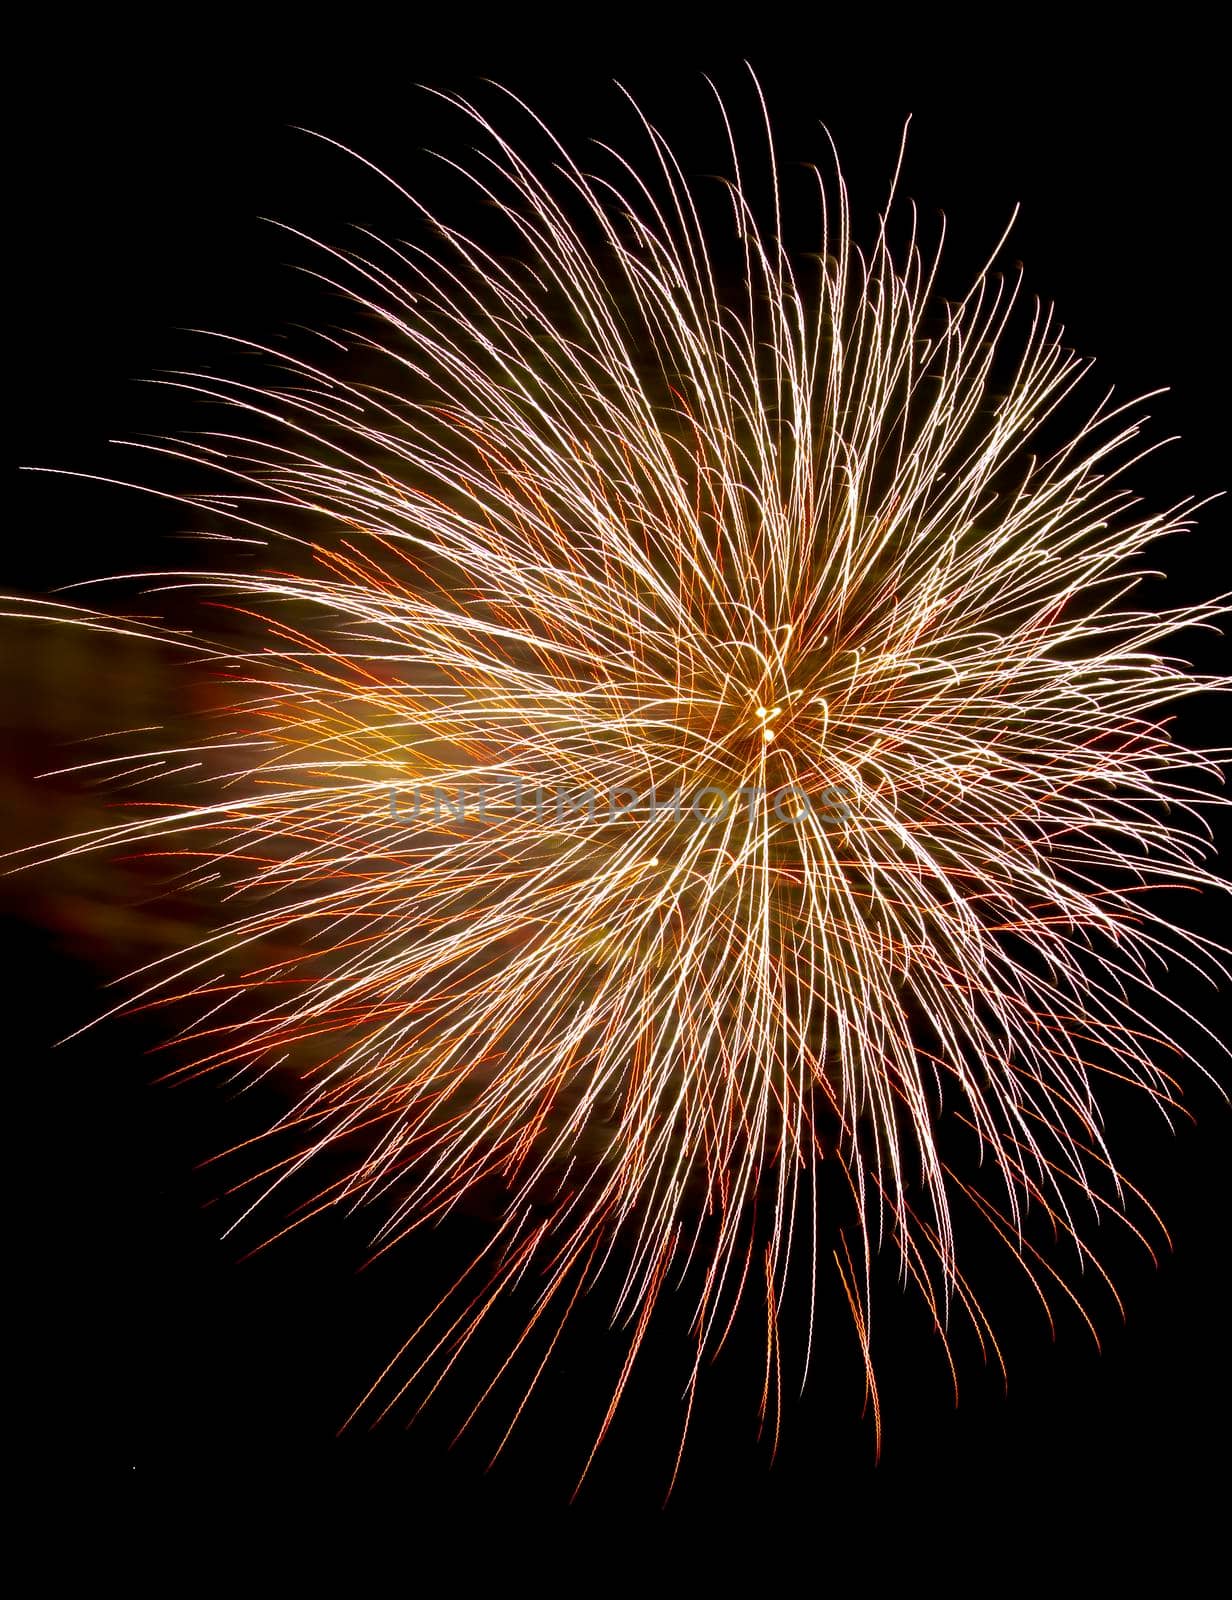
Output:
[[182, 1372]]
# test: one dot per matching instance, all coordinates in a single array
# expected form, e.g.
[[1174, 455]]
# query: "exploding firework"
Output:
[[697, 738]]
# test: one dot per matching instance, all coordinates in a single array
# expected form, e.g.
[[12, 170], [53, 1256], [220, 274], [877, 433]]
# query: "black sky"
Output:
[[147, 160]]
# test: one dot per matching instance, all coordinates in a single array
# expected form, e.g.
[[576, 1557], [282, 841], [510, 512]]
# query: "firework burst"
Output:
[[697, 734]]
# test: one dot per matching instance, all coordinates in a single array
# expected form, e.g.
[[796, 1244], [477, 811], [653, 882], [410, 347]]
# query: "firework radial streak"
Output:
[[637, 508]]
